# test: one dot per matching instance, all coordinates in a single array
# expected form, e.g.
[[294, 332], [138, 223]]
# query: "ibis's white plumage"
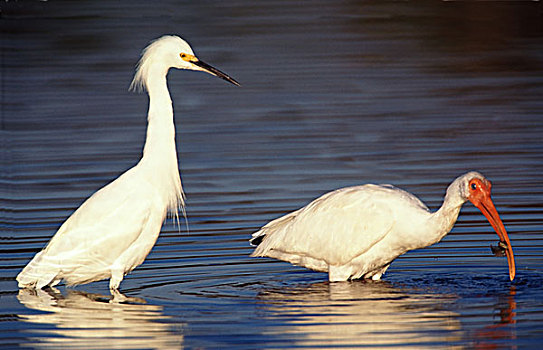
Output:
[[113, 231], [356, 232]]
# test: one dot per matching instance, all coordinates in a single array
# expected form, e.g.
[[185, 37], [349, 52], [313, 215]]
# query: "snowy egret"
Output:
[[356, 232], [112, 232]]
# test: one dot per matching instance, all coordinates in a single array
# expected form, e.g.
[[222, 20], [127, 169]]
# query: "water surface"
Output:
[[333, 94]]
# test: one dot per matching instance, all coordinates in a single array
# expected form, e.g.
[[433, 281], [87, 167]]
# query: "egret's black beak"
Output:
[[214, 71]]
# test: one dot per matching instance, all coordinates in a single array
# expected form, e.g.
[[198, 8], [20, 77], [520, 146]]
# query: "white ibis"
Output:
[[356, 232], [112, 232]]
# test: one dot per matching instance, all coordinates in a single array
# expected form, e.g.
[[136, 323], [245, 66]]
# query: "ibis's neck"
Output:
[[159, 153], [442, 221]]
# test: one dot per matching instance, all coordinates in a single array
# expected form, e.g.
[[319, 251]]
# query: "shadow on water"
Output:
[[89, 320]]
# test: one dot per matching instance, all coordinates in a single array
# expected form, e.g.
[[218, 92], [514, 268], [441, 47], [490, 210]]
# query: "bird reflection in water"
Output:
[[496, 335], [89, 321], [376, 314]]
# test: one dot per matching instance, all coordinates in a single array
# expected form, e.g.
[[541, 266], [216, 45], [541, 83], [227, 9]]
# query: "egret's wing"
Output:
[[99, 231], [110, 233], [111, 198], [334, 228]]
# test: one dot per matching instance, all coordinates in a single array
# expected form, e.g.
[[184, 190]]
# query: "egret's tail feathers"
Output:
[[36, 274]]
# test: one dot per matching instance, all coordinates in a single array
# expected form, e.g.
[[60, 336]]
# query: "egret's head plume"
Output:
[[158, 57]]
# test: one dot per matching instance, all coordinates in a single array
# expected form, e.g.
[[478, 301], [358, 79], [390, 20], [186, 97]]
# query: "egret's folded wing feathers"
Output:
[[95, 235]]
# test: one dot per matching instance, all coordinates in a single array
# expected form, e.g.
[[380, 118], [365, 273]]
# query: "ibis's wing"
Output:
[[334, 228]]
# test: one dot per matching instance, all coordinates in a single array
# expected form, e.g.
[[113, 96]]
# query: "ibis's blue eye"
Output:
[[473, 186]]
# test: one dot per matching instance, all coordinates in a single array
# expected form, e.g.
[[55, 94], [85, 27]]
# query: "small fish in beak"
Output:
[[500, 250]]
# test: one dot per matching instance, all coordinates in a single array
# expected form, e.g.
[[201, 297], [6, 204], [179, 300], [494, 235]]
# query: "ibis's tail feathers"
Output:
[[37, 274], [271, 229], [257, 239]]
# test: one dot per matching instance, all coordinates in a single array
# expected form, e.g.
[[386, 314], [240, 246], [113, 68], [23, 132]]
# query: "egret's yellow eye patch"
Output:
[[187, 57]]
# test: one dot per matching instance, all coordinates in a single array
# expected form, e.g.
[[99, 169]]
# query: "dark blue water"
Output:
[[333, 94]]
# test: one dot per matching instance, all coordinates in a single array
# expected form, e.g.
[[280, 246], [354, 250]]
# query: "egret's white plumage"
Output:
[[356, 232], [113, 231]]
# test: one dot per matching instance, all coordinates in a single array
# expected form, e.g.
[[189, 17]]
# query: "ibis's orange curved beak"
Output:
[[483, 201]]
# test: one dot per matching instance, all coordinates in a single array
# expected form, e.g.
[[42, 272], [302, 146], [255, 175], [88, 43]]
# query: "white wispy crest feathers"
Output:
[[139, 83], [160, 51]]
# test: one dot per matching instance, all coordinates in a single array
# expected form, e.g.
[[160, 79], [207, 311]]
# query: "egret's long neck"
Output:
[[159, 153], [160, 141], [442, 221]]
